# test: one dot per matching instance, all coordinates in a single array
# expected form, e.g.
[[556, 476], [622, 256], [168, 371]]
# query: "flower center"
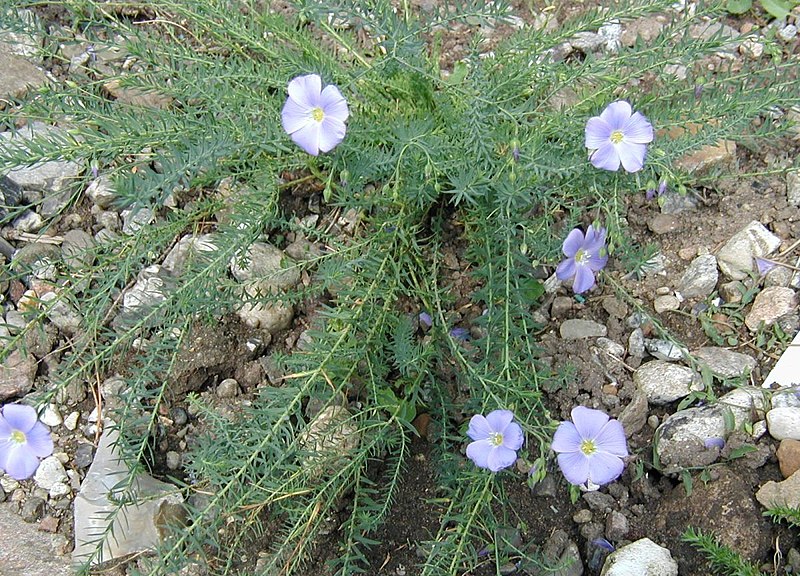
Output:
[[581, 256], [616, 136], [496, 438], [18, 437], [588, 447], [317, 114]]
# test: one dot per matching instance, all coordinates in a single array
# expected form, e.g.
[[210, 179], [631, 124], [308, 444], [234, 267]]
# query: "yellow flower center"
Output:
[[317, 114], [581, 256], [496, 438], [18, 437], [616, 137], [588, 447]]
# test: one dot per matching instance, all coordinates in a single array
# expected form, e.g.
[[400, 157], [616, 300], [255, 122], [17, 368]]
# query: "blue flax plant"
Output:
[[477, 158]]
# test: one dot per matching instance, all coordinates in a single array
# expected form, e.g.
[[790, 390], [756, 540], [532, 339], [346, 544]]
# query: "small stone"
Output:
[[49, 472], [666, 303], [752, 49], [681, 438], [49, 524], [173, 460], [59, 490], [71, 421], [664, 382], [577, 329], [228, 388], [709, 157], [725, 363], [736, 258], [582, 516], [51, 416], [32, 509], [61, 313], [561, 306], [84, 454], [134, 219], [784, 423], [616, 526], [28, 221], [769, 305], [793, 188], [700, 277], [636, 345], [786, 493], [179, 416], [265, 264], [16, 374], [101, 191], [634, 416], [664, 224], [732, 291], [643, 557], [663, 349], [788, 32], [329, 439], [76, 250], [789, 456]]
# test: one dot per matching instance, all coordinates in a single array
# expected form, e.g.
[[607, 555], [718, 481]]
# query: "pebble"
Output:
[[664, 224], [788, 32], [173, 460], [789, 456], [16, 374], [134, 219], [84, 454], [710, 157], [101, 191], [769, 305], [577, 329], [59, 489], [617, 526], [700, 277], [50, 472], [71, 421], [61, 313], [561, 306], [736, 258], [51, 416], [641, 557], [28, 221], [663, 349], [666, 303], [725, 363], [179, 416], [76, 250], [664, 382], [270, 267], [681, 438], [228, 388], [793, 188], [746, 403], [786, 493], [784, 423], [636, 346], [32, 509], [582, 516]]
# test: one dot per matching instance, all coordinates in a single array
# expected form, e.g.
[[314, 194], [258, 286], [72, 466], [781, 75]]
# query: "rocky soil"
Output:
[[699, 321]]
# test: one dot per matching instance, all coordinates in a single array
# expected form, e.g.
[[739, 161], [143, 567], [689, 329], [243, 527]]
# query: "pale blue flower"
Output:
[[23, 441], [314, 117], [496, 440], [618, 136], [590, 448], [585, 256]]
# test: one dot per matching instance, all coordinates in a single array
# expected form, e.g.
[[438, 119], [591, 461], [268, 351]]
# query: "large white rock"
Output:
[[664, 382], [105, 529], [641, 558], [784, 423], [736, 257]]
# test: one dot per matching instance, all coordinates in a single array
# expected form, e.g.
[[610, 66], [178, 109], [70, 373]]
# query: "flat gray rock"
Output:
[[643, 558], [16, 375], [28, 551], [577, 329], [700, 277], [664, 382], [770, 304], [736, 258], [17, 75], [725, 363]]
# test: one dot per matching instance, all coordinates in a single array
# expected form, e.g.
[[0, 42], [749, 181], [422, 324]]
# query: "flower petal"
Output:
[[305, 90], [584, 279], [20, 417], [574, 466], [479, 451], [566, 438], [632, 155], [20, 463], [333, 103], [589, 422], [597, 261], [605, 157], [479, 428], [499, 419], [611, 439], [331, 133], [638, 130], [572, 243], [597, 133], [308, 137], [617, 114], [566, 269], [5, 429], [604, 468], [513, 437], [501, 457], [39, 442], [5, 450], [294, 116]]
